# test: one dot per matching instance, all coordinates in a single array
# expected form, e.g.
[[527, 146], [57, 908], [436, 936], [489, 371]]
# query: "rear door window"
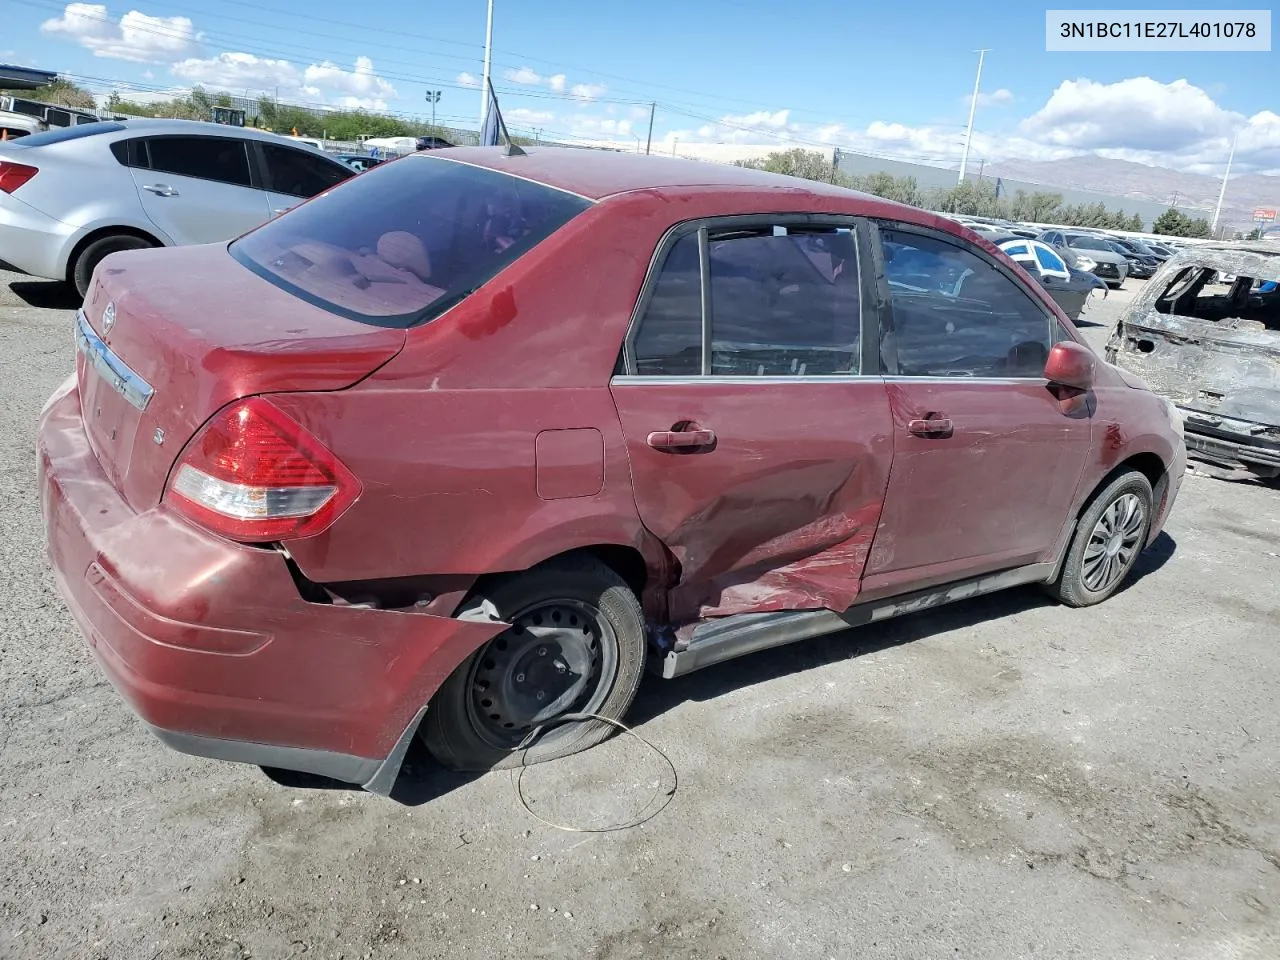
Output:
[[298, 173], [205, 158], [783, 302]]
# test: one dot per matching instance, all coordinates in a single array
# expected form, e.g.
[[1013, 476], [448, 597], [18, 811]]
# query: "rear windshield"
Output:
[[67, 133], [405, 241], [1089, 243]]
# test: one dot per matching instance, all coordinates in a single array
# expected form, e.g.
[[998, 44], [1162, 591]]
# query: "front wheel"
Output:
[[576, 646], [1111, 533]]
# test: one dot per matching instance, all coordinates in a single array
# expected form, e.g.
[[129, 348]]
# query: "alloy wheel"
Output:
[[1114, 543]]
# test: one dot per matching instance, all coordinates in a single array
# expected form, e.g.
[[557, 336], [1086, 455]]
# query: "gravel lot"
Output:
[[1004, 778]]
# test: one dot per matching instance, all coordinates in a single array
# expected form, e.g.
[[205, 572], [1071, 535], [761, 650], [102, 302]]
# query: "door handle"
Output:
[[938, 429], [161, 189], [681, 439]]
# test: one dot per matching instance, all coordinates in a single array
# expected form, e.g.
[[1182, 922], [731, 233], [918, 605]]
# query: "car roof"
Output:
[[197, 128], [597, 174]]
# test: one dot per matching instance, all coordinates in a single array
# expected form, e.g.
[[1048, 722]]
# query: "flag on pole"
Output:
[[489, 134]]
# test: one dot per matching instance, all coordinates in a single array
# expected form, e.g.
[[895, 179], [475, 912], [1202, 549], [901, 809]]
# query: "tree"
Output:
[[798, 162], [974, 198], [1175, 223], [902, 189], [62, 92], [1135, 223]]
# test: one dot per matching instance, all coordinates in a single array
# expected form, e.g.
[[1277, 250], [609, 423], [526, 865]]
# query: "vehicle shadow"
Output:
[[422, 779], [47, 294]]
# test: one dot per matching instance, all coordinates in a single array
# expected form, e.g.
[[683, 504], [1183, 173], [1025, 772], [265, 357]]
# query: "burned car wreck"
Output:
[[1213, 348]]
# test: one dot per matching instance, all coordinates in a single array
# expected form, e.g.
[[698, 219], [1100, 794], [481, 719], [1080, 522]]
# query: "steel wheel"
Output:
[[559, 657], [1114, 543]]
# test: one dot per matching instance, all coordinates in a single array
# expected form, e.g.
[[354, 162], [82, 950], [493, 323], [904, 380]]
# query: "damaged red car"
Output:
[[457, 448]]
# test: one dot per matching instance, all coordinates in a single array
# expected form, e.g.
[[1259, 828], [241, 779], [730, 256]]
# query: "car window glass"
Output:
[[1050, 260], [209, 158], [300, 174], [669, 340], [1016, 250], [956, 315], [784, 303], [399, 245]]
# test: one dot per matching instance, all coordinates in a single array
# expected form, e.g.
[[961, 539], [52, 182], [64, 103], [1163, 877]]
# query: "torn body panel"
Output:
[[1214, 350]]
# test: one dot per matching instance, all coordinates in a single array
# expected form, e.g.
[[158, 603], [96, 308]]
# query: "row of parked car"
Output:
[[1100, 251]]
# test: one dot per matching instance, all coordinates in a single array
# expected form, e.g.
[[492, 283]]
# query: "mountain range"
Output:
[[1193, 193]]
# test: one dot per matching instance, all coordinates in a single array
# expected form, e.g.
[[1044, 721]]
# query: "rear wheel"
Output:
[[91, 256], [576, 646], [1111, 533]]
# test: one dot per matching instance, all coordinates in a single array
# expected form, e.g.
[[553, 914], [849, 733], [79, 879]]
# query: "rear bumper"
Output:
[[211, 644], [34, 242]]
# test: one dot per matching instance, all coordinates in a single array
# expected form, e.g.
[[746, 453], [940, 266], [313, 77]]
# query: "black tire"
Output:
[[1115, 542], [480, 715], [91, 256]]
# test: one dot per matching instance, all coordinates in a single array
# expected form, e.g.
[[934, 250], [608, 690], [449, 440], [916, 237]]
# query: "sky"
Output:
[[889, 79]]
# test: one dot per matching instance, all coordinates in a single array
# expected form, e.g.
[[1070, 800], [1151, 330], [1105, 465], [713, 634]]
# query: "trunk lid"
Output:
[[188, 331]]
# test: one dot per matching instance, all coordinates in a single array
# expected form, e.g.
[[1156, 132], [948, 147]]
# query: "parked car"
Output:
[[1140, 267], [358, 162], [1214, 352], [432, 143], [1093, 253], [70, 197], [403, 484], [1069, 287]]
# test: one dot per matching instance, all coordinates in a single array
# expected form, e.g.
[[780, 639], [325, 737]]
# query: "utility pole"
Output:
[[433, 97], [484, 83], [652, 107], [1217, 211], [674, 141], [973, 108], [982, 165]]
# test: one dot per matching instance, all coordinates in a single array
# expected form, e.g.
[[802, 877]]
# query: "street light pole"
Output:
[[973, 109], [484, 83], [433, 97], [1217, 211], [652, 108]]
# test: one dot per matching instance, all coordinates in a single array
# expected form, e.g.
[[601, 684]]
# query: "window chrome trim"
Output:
[[110, 367], [639, 380]]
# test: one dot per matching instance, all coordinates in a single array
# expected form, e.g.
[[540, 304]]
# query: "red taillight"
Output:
[[253, 474], [13, 175]]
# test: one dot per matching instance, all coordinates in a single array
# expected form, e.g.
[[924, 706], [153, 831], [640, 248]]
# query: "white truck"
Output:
[[20, 117]]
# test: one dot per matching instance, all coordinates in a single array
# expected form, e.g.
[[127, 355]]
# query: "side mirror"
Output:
[[1071, 365]]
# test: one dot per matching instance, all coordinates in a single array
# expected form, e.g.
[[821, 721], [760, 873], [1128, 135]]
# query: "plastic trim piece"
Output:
[[737, 636], [376, 775]]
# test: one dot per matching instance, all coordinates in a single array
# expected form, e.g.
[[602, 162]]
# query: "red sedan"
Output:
[[454, 449]]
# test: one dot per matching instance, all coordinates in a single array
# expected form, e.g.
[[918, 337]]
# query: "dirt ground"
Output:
[[1004, 778]]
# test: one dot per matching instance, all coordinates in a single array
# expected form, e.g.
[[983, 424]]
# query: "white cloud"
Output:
[[524, 76], [135, 36], [997, 98], [529, 117], [320, 83], [1139, 113], [639, 113], [468, 80], [777, 120], [362, 82], [587, 92], [557, 82], [240, 71]]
